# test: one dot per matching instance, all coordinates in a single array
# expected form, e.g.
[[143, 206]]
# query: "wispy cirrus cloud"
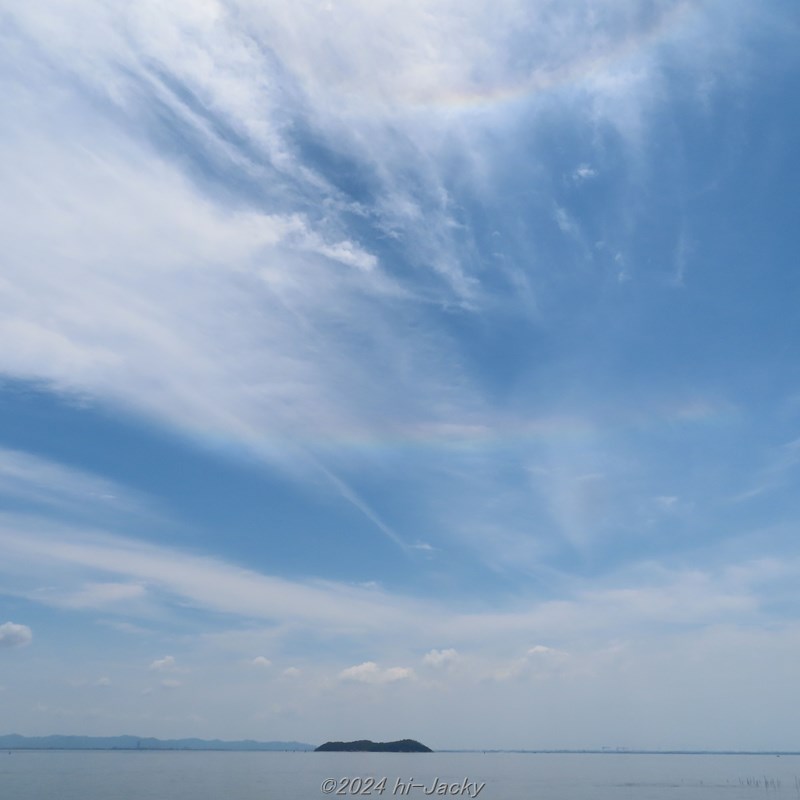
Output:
[[44, 483], [252, 210], [220, 318], [423, 259], [168, 579]]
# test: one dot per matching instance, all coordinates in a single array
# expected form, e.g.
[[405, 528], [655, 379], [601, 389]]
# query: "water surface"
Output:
[[132, 775]]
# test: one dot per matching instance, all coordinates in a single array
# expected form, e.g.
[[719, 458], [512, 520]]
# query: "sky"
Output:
[[401, 370]]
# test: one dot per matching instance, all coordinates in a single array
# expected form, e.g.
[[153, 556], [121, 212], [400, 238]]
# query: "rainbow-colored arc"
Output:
[[547, 79]]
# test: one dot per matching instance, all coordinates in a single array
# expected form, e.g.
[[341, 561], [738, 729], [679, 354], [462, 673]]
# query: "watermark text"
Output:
[[402, 787]]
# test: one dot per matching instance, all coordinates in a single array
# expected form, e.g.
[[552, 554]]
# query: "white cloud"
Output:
[[644, 596], [583, 172], [370, 672], [104, 681], [126, 230], [166, 664], [147, 259], [440, 658], [250, 310], [170, 683], [543, 650], [130, 295], [539, 661], [173, 573], [567, 223], [291, 672], [14, 635], [261, 661]]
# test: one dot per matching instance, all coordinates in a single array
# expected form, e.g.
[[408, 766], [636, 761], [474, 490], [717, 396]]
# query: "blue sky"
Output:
[[384, 370]]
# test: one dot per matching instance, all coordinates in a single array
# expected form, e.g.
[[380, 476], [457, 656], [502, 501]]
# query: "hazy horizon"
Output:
[[400, 370], [310, 746]]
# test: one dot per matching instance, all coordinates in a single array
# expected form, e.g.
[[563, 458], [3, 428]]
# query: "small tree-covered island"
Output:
[[365, 746]]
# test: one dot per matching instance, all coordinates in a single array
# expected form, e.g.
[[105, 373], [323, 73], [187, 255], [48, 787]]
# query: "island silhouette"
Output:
[[366, 746]]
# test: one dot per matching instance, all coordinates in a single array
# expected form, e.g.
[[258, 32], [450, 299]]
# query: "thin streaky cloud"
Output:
[[441, 356]]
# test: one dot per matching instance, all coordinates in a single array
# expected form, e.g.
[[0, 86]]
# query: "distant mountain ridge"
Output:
[[16, 742]]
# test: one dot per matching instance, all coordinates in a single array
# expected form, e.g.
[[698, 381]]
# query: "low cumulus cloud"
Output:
[[370, 672], [13, 635], [261, 661], [166, 664], [440, 658], [539, 661]]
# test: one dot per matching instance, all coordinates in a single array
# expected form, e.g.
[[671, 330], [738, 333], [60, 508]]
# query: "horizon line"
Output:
[[603, 750]]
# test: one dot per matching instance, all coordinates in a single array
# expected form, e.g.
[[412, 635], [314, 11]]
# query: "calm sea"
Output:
[[98, 775]]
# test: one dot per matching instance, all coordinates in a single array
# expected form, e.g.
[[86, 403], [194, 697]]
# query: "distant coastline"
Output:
[[149, 743], [56, 742]]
